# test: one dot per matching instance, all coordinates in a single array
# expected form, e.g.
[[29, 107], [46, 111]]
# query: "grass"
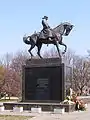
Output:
[[14, 117]]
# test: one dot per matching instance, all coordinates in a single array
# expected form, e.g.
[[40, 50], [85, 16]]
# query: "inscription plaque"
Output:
[[42, 89]]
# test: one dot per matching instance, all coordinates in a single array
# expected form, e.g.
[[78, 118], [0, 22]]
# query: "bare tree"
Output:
[[12, 83], [6, 60], [68, 57], [13, 72], [81, 73], [19, 60], [2, 77], [5, 64]]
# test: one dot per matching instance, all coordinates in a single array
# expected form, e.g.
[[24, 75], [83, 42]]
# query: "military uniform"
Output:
[[46, 32]]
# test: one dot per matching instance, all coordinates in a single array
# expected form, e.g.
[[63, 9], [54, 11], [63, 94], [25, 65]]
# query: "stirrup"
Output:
[[50, 39]]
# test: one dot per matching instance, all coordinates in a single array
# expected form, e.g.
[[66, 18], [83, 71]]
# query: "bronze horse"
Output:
[[60, 30]]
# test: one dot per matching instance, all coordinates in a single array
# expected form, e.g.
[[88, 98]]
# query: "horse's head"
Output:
[[67, 27], [63, 28]]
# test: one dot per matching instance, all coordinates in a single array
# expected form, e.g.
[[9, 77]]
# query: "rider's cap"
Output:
[[45, 17]]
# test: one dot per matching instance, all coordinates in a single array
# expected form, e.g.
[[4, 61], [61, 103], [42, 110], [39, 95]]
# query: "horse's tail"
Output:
[[26, 41]]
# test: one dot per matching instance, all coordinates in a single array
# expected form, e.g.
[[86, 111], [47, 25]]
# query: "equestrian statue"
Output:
[[48, 36]]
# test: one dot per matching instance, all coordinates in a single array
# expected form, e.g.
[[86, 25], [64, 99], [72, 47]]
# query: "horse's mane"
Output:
[[60, 27], [61, 24], [57, 26]]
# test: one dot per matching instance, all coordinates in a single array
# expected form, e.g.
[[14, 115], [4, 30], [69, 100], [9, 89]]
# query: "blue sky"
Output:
[[18, 17]]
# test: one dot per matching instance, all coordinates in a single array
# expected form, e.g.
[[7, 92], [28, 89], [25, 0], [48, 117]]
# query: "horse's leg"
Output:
[[61, 43], [39, 48], [58, 49], [32, 46]]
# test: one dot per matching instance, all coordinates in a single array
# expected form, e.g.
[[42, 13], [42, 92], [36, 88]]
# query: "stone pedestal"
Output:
[[43, 80], [17, 109], [36, 110], [1, 107], [59, 110]]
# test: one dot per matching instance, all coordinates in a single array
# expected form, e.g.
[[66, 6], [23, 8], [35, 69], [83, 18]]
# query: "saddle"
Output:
[[47, 33]]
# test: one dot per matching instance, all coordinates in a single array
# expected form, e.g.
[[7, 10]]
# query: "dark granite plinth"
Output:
[[43, 62], [43, 80]]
